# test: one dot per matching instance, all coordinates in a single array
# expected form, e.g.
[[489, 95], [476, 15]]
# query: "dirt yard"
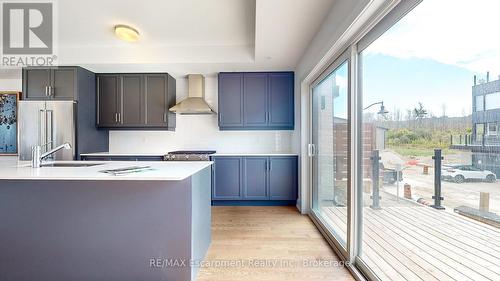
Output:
[[455, 194]]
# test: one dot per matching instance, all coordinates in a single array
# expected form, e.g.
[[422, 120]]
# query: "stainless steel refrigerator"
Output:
[[51, 123]]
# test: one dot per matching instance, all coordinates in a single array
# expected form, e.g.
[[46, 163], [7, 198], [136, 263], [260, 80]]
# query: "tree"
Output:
[[420, 112]]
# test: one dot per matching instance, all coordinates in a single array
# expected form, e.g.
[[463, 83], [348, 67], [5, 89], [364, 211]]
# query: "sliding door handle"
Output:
[[311, 150]]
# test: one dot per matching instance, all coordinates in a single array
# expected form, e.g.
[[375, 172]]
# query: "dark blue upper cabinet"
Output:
[[256, 101], [255, 88], [226, 178], [283, 178], [255, 180], [281, 103], [230, 100]]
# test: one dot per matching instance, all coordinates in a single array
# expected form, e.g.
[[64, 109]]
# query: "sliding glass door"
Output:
[[329, 149], [429, 146]]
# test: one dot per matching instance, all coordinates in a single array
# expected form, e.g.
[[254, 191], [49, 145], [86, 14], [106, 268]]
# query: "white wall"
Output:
[[11, 84], [200, 132]]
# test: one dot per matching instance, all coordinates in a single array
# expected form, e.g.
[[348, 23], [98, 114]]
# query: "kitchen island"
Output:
[[77, 223]]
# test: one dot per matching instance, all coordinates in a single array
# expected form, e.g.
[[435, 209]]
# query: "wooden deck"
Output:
[[421, 243]]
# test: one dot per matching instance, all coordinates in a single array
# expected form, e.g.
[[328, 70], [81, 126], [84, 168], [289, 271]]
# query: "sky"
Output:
[[431, 56]]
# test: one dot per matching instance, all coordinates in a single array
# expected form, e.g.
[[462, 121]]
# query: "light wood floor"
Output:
[[267, 243]]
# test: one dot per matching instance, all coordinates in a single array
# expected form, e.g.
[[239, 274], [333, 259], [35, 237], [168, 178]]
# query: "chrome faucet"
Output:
[[37, 157]]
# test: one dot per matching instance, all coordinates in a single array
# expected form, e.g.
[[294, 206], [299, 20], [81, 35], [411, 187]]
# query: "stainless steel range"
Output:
[[189, 155]]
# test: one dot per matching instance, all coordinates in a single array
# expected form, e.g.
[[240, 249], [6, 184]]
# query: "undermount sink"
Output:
[[70, 164]]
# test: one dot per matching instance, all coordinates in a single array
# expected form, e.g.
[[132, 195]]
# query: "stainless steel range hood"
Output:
[[195, 102]]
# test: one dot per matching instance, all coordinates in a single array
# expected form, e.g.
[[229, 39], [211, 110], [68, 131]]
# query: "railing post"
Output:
[[437, 180], [451, 139], [466, 139], [375, 179], [484, 201], [483, 140], [460, 137]]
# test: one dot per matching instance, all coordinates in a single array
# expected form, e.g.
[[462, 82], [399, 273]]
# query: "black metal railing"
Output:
[[467, 140]]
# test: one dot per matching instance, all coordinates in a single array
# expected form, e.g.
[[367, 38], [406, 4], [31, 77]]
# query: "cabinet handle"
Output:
[[220, 117], [47, 91], [51, 91], [116, 117], [164, 117], [119, 117]]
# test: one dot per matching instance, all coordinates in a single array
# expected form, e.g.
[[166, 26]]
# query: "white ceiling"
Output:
[[183, 36]]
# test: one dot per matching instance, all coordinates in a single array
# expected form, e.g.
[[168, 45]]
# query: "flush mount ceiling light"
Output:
[[126, 33]]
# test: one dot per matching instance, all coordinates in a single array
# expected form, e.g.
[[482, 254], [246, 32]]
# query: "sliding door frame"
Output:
[[385, 18], [345, 57]]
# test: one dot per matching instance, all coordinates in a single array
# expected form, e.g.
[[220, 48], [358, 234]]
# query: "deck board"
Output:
[[421, 243], [454, 256]]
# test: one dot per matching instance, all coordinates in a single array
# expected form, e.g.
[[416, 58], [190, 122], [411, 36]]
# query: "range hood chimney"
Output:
[[195, 102]]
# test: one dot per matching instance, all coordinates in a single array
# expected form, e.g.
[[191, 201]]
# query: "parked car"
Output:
[[462, 173]]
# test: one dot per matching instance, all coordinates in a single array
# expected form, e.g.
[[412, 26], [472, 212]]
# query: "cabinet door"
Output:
[[35, 83], [281, 100], [255, 88], [63, 83], [132, 101], [230, 100], [255, 180], [283, 178], [227, 184], [107, 100], [156, 100]]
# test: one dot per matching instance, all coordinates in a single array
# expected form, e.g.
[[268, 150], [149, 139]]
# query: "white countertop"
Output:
[[122, 154], [163, 171], [163, 153], [254, 154]]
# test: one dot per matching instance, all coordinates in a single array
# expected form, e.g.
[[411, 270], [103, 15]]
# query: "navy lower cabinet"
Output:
[[282, 178], [254, 180], [226, 178], [256, 100]]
